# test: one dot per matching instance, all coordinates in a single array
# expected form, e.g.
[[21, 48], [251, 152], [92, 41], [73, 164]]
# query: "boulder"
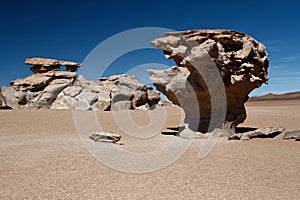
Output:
[[50, 93], [87, 96], [2, 100], [294, 134], [105, 137], [33, 82], [72, 91], [118, 92], [79, 104], [143, 107], [63, 102], [10, 99], [103, 100], [241, 62], [121, 105]]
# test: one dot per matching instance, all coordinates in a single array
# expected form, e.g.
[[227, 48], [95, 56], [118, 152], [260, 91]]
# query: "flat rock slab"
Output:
[[270, 132], [294, 134], [105, 137], [50, 62]]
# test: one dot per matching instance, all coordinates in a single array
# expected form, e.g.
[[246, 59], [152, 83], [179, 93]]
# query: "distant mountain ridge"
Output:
[[270, 96]]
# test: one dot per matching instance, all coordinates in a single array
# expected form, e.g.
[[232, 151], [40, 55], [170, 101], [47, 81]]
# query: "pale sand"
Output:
[[42, 157]]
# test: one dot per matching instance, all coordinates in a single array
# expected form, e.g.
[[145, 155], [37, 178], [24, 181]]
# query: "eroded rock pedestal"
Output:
[[240, 63]]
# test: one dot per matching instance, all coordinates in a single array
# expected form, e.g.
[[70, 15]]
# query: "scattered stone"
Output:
[[294, 134], [241, 61], [105, 137], [270, 132]]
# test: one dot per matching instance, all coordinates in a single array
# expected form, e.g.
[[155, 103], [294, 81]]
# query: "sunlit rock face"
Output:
[[203, 57], [51, 88]]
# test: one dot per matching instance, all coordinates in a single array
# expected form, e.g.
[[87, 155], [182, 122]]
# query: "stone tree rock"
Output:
[[241, 63]]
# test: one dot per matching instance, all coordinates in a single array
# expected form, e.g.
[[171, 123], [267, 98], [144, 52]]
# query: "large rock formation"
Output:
[[54, 89], [38, 90], [241, 64]]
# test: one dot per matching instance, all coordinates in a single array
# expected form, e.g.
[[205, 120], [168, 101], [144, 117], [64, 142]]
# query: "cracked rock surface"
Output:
[[51, 88], [241, 64]]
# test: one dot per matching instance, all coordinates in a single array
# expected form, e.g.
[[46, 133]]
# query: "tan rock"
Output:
[[105, 137], [42, 65], [46, 62], [269, 132], [241, 61], [294, 134]]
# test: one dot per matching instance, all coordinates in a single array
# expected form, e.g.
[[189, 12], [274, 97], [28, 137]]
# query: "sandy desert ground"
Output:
[[42, 157]]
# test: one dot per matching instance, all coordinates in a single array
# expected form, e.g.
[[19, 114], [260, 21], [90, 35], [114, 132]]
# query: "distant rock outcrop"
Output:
[[51, 88], [271, 97], [241, 61]]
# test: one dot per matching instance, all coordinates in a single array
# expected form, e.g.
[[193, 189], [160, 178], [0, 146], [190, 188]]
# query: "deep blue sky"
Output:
[[71, 29]]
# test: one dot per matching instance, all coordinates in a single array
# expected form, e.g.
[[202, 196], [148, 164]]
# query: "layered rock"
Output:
[[66, 90], [41, 65], [241, 63], [38, 90]]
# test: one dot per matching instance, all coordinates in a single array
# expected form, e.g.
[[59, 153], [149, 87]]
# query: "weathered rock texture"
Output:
[[241, 61], [2, 100], [41, 65], [66, 90], [258, 133], [105, 137]]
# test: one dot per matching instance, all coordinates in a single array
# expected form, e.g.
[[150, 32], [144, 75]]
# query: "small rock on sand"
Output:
[[105, 137]]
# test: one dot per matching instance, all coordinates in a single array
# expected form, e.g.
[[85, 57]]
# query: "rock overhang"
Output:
[[241, 61]]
